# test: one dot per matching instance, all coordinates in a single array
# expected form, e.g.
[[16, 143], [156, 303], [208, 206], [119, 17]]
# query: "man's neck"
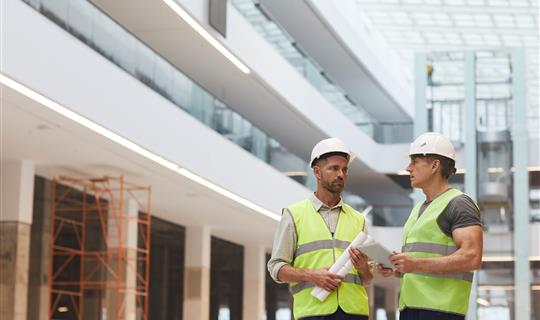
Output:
[[328, 198], [435, 189]]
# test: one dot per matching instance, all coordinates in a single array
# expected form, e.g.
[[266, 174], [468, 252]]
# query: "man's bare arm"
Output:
[[468, 256]]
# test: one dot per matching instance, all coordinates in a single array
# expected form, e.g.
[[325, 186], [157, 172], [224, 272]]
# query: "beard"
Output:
[[334, 187]]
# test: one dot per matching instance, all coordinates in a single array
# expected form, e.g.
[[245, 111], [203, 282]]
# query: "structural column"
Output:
[[254, 282], [40, 252], [522, 272], [370, 289], [391, 305], [197, 273], [16, 198], [471, 167], [120, 300], [421, 121], [132, 212]]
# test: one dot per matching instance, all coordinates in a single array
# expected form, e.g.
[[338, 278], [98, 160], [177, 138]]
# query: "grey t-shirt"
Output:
[[459, 213]]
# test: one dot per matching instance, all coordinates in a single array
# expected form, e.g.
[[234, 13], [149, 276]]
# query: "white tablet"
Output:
[[377, 253]]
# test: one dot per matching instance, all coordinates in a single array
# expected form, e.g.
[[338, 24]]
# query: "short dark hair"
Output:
[[448, 166], [328, 155]]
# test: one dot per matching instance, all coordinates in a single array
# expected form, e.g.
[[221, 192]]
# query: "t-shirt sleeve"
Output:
[[461, 212]]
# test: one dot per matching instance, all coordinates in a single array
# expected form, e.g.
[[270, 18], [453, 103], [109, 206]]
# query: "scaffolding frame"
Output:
[[99, 243]]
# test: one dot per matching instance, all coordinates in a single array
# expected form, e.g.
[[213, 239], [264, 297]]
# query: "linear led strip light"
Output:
[[507, 259], [206, 35], [131, 145], [534, 287]]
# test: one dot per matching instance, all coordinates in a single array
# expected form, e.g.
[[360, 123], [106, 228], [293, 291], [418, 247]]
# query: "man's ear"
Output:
[[435, 164], [317, 172]]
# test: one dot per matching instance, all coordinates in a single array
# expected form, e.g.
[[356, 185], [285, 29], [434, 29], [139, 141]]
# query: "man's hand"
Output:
[[325, 279], [403, 263], [360, 263], [386, 272], [359, 260]]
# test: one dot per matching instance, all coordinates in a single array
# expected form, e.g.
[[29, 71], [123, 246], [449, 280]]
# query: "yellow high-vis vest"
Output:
[[315, 249], [422, 238]]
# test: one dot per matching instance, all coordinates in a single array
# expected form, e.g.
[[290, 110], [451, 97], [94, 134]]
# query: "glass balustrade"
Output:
[[97, 30], [286, 46]]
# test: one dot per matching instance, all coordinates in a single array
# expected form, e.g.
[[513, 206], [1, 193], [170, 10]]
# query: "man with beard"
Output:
[[313, 233]]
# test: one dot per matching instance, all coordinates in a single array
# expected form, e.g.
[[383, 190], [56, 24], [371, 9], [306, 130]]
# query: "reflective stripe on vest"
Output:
[[321, 244], [422, 238], [441, 249], [317, 248]]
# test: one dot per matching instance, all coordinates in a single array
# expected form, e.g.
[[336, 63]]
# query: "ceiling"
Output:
[[60, 147], [251, 96], [326, 61], [411, 26], [289, 48]]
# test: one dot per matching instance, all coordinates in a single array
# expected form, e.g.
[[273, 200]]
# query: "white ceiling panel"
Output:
[[411, 26]]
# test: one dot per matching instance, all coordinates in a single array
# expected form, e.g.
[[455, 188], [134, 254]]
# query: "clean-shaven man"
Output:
[[442, 239]]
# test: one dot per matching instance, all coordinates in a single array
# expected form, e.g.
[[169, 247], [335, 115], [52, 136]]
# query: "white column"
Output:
[[370, 289], [17, 196], [471, 155], [522, 269], [16, 199], [131, 212], [40, 253], [421, 115], [391, 304], [197, 273], [254, 282], [122, 224]]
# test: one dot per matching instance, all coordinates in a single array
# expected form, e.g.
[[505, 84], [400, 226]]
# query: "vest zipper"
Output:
[[334, 260], [333, 247], [334, 251]]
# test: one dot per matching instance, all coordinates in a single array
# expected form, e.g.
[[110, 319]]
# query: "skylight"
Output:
[[411, 26]]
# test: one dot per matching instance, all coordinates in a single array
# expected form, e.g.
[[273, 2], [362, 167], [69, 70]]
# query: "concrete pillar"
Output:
[[40, 252], [130, 241], [471, 152], [421, 115], [197, 273], [391, 296], [370, 289], [122, 236], [254, 283], [16, 198], [522, 271]]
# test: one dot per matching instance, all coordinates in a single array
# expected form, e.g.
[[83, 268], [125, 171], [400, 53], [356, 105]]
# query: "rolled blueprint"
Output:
[[342, 265]]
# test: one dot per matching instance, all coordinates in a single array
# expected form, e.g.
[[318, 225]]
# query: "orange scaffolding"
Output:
[[100, 249]]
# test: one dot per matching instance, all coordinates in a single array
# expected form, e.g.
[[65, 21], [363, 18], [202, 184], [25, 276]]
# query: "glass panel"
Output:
[[495, 292], [56, 10], [101, 33], [286, 46]]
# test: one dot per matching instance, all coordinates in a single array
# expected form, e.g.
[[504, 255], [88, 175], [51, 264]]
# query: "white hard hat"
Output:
[[433, 143], [327, 146]]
